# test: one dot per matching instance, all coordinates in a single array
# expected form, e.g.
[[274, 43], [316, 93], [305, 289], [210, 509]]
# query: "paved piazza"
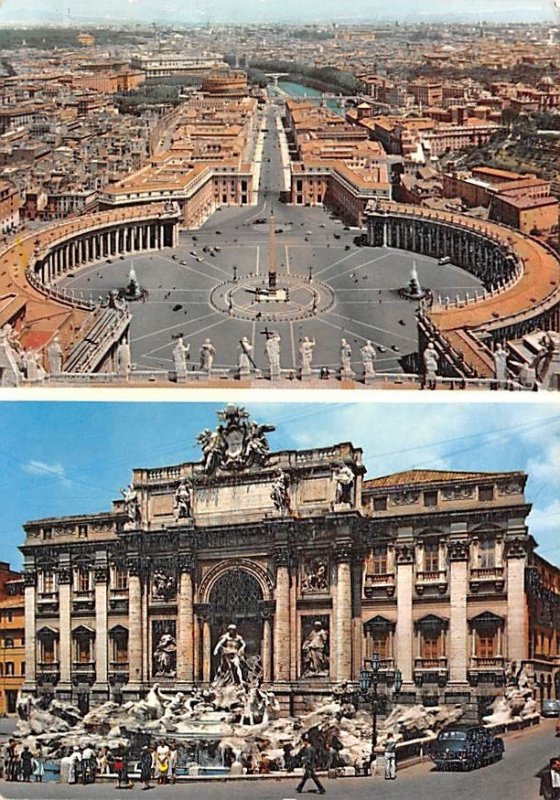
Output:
[[514, 777], [353, 292], [359, 288]]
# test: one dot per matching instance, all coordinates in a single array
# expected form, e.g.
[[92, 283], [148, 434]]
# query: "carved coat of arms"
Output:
[[236, 444]]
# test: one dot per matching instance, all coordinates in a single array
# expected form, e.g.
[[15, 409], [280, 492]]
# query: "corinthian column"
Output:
[[342, 644], [101, 654], [405, 565], [458, 586], [30, 577], [185, 620], [65, 641], [282, 617], [135, 624]]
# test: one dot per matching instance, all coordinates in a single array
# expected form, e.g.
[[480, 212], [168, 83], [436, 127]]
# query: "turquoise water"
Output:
[[306, 91]]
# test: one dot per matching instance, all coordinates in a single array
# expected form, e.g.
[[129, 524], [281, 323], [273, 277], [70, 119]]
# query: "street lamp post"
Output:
[[369, 681]]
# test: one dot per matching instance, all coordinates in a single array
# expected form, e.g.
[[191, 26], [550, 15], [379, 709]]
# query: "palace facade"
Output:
[[435, 571]]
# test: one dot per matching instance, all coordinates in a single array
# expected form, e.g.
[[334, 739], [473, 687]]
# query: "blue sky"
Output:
[[64, 458], [201, 11]]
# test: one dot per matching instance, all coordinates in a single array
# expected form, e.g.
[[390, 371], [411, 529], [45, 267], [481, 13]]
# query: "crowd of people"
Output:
[[160, 762], [21, 764]]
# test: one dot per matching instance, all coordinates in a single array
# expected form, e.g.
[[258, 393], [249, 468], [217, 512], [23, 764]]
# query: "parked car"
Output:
[[550, 708], [466, 747]]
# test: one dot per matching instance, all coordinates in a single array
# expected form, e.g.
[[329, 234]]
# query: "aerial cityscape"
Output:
[[280, 205]]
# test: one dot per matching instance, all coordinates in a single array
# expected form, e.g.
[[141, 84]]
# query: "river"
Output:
[[306, 91]]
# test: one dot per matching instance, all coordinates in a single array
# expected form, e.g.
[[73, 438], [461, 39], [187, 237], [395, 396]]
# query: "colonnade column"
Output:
[[282, 617], [405, 566], [185, 620], [458, 590], [343, 612]]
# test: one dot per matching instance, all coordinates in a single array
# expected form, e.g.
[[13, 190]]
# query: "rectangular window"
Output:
[[23, 669], [485, 493], [48, 582], [120, 578], [486, 645], [83, 650], [380, 644], [430, 645], [379, 560], [82, 531], [120, 649], [9, 668], [431, 557], [48, 651], [430, 499], [84, 583], [47, 533], [380, 504], [487, 554]]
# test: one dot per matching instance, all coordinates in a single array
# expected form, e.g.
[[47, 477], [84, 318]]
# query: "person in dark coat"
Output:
[[146, 766], [550, 780], [26, 764], [309, 761]]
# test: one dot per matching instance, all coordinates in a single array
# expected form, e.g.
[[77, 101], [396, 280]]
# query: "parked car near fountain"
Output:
[[550, 708], [466, 747]]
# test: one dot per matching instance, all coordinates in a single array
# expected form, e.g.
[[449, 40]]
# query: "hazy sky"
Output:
[[198, 11], [72, 458]]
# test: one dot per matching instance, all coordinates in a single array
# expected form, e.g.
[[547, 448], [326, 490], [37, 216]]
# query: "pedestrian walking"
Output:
[[390, 758], [309, 761]]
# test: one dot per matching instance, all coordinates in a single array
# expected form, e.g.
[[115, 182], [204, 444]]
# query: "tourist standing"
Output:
[[173, 761], [146, 761], [162, 762], [390, 758], [26, 764], [10, 761], [74, 764], [38, 766], [309, 762]]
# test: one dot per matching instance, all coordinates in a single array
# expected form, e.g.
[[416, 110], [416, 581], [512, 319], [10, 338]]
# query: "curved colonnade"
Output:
[[520, 274], [32, 264]]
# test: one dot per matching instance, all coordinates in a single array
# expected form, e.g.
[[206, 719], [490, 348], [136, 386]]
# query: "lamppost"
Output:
[[369, 681]]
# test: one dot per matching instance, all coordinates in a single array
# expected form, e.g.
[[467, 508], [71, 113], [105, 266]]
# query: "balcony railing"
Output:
[[48, 672], [430, 664], [118, 666], [491, 663], [431, 576], [383, 580], [83, 666], [431, 579], [487, 577]]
